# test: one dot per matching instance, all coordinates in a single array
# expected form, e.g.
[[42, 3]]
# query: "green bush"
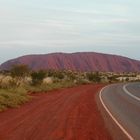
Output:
[[95, 77], [37, 77]]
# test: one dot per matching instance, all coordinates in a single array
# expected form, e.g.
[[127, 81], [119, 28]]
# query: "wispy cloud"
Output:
[[69, 24]]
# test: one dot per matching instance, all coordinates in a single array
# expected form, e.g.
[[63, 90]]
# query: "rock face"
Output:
[[76, 61]]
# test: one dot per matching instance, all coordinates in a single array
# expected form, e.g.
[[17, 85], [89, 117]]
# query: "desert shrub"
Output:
[[50, 73], [48, 80], [49, 87], [127, 79], [5, 81], [38, 77], [95, 77], [56, 74], [112, 78], [13, 97], [71, 75], [83, 81], [59, 75]]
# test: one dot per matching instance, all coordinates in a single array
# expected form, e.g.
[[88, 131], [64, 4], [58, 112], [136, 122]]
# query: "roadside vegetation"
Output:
[[17, 84]]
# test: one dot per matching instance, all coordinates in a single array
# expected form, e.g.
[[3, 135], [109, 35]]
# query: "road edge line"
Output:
[[113, 118], [129, 93]]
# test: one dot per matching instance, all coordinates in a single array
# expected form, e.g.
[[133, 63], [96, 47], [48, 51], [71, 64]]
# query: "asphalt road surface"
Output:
[[122, 102]]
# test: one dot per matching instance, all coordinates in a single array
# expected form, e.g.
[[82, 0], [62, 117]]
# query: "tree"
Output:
[[37, 77], [19, 71]]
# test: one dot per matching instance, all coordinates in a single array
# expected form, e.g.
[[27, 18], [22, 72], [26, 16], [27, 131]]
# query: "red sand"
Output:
[[66, 114]]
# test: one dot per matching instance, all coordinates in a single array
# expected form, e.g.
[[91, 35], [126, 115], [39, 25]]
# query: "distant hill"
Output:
[[85, 61]]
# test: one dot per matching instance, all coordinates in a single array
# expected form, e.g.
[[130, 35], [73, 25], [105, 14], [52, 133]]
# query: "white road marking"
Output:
[[113, 118], [129, 93]]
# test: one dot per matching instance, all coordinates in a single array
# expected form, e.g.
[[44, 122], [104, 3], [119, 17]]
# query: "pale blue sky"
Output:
[[44, 26]]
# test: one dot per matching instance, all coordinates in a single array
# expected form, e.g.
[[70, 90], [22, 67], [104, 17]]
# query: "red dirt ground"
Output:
[[66, 114]]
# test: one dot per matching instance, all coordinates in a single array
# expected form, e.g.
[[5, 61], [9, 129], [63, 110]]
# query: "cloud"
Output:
[[69, 24]]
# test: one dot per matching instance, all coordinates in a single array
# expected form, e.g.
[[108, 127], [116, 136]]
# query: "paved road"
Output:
[[123, 103]]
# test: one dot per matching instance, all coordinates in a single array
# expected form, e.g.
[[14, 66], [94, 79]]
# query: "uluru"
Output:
[[80, 61]]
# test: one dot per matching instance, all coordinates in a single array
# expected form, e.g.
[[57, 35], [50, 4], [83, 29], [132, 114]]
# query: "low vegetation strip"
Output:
[[20, 80], [64, 114], [10, 98], [14, 97]]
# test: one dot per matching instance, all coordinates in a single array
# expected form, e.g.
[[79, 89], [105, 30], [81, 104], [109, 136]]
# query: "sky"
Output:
[[46, 26]]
